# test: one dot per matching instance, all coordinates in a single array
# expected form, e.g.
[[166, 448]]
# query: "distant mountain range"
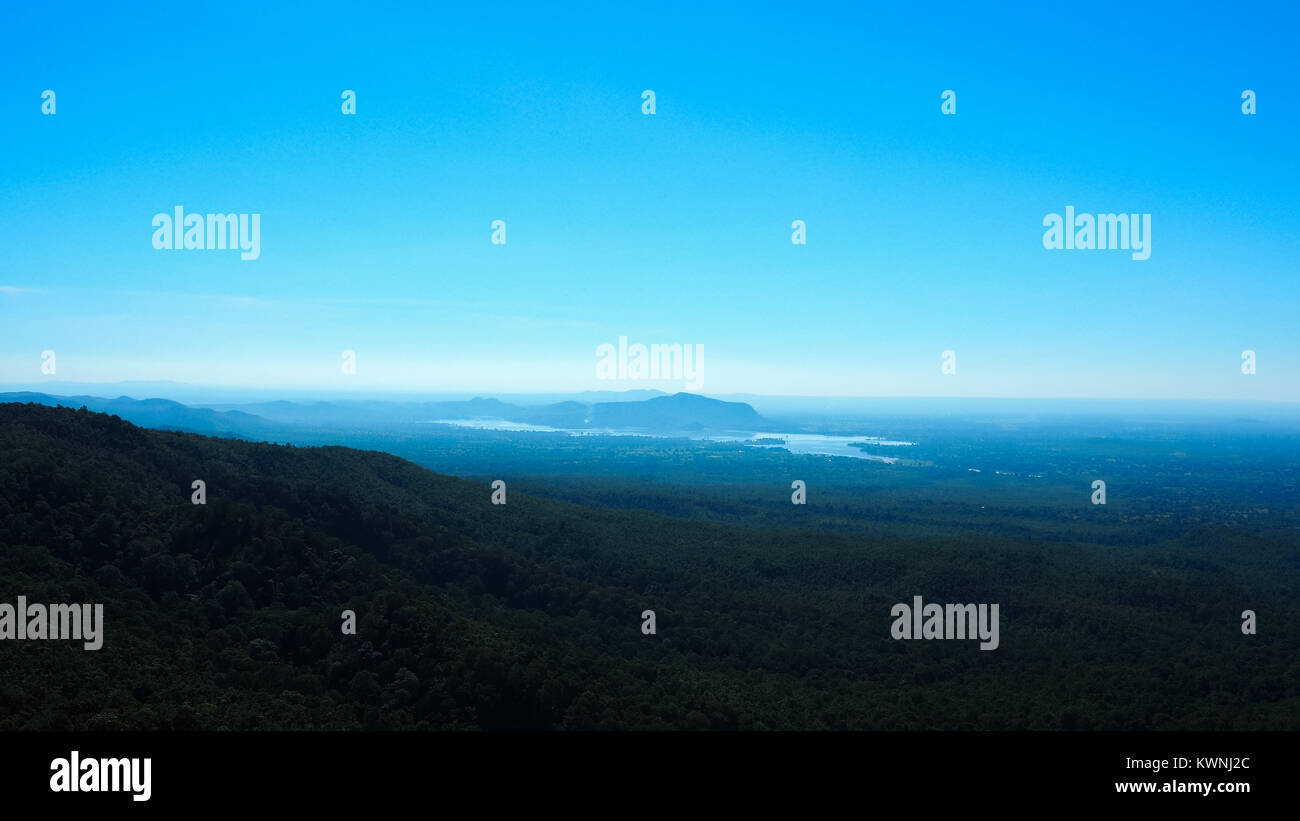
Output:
[[210, 396], [155, 413], [679, 413]]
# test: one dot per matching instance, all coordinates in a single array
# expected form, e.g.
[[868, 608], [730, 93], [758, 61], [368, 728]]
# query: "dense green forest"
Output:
[[527, 615]]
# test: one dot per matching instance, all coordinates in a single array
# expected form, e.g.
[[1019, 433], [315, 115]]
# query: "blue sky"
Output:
[[924, 231]]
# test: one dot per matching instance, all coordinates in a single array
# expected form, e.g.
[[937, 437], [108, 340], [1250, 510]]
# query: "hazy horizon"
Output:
[[227, 395]]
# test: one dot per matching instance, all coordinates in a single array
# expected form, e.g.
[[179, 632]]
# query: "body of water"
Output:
[[815, 444]]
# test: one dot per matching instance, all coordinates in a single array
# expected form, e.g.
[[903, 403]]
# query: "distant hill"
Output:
[[567, 415]]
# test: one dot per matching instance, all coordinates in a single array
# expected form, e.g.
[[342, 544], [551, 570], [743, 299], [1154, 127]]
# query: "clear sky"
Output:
[[924, 230]]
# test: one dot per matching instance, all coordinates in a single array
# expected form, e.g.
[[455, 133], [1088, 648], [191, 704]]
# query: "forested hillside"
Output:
[[528, 615]]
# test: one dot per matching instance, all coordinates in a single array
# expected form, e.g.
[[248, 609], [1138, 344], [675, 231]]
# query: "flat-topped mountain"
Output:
[[681, 411]]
